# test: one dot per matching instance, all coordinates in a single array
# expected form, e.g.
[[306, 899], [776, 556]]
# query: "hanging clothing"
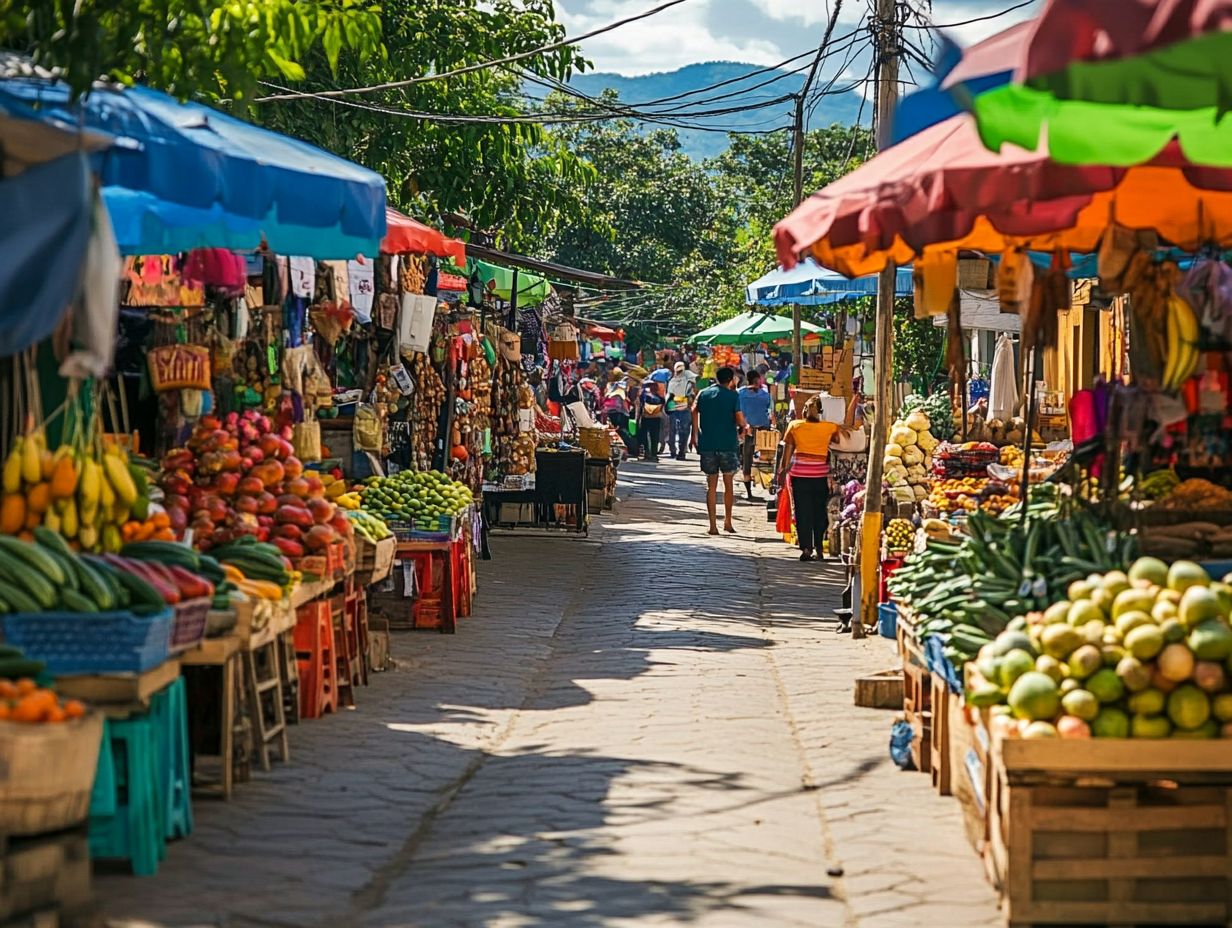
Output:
[[1003, 399], [361, 276]]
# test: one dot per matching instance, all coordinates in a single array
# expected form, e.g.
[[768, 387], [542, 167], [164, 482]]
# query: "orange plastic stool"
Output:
[[314, 653], [435, 603]]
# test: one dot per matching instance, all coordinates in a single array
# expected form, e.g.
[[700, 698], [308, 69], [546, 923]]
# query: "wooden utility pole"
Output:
[[797, 147], [886, 25]]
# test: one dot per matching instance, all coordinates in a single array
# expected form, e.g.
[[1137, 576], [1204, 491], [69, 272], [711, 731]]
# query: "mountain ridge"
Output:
[[678, 87]]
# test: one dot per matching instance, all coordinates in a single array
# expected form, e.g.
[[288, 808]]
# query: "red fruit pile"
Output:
[[239, 476]]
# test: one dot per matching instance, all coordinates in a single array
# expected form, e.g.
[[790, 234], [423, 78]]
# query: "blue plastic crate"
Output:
[[887, 620], [939, 664], [91, 642]]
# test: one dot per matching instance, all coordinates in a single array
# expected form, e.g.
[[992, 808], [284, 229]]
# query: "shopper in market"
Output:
[[717, 426], [681, 390], [616, 408], [650, 418], [758, 408], [805, 470]]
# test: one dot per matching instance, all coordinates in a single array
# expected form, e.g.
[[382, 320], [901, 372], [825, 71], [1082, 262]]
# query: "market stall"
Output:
[[1060, 608]]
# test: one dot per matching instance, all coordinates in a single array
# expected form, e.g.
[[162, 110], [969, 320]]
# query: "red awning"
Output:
[[602, 332], [406, 234]]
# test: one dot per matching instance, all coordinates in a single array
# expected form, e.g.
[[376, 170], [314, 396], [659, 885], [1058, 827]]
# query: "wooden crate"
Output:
[[970, 770], [47, 774], [1112, 831], [917, 695], [882, 690], [939, 747], [45, 879]]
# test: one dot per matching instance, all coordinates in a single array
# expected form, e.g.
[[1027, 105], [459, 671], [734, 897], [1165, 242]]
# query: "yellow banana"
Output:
[[115, 467], [1174, 347], [106, 493], [88, 488], [12, 467], [31, 460], [88, 536], [52, 520], [69, 522]]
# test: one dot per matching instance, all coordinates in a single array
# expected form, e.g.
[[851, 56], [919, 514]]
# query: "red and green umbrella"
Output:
[[1114, 82]]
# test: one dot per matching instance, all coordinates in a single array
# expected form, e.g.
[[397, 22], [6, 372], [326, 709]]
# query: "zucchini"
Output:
[[141, 594], [95, 587], [17, 600], [34, 557], [75, 601], [35, 587], [164, 552]]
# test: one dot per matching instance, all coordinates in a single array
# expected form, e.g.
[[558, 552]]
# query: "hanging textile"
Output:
[[96, 311], [1003, 393]]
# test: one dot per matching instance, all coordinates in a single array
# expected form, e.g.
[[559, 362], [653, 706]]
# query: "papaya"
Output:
[[12, 514]]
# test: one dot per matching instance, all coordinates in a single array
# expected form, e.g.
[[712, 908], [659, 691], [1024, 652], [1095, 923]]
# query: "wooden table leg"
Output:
[[450, 619], [228, 723]]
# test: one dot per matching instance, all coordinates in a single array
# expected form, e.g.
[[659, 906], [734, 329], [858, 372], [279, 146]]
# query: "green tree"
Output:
[[514, 178], [215, 49]]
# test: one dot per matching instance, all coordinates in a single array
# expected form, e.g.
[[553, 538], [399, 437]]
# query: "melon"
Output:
[[1198, 605], [1085, 661], [1151, 569], [1013, 666], [1080, 703], [1060, 641], [1051, 666], [1083, 611], [1069, 684], [1148, 702], [1210, 640], [1034, 696], [1008, 641], [1114, 583], [1133, 673], [1150, 726], [1039, 729], [1173, 629], [1110, 723], [1163, 610], [1132, 600], [1209, 676], [1105, 685], [1081, 589], [1188, 707], [1221, 707], [1126, 622], [1175, 663], [1069, 726], [1208, 729], [1185, 574], [1145, 641], [1057, 612]]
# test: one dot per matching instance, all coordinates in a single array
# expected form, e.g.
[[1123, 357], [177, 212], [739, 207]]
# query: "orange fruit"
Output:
[[27, 710], [55, 714], [8, 689], [5, 711], [26, 686], [74, 709]]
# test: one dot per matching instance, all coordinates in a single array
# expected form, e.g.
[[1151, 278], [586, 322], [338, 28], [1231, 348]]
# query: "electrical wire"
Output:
[[479, 66]]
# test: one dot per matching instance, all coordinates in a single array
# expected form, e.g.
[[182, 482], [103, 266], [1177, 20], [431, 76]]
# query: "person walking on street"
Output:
[[680, 393], [650, 418], [717, 426], [758, 408], [806, 451]]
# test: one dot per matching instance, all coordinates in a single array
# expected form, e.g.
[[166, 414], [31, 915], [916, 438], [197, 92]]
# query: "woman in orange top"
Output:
[[806, 462]]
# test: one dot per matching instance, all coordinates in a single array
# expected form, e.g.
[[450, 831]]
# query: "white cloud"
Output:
[[669, 40]]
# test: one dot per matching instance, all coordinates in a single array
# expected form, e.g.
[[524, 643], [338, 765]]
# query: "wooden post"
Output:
[[870, 526]]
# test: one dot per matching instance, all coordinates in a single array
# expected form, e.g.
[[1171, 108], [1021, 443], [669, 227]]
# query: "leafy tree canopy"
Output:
[[213, 49]]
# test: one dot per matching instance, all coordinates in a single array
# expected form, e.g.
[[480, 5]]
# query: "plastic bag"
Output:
[[366, 430]]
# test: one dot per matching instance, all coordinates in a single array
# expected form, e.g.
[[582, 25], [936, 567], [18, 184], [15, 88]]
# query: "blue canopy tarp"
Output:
[[183, 175], [810, 284]]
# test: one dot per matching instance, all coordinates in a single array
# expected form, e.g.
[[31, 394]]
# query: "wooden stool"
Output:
[[288, 668], [265, 697], [345, 647], [314, 652], [223, 654]]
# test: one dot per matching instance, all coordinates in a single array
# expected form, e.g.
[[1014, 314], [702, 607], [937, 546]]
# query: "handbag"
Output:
[[652, 410], [854, 442]]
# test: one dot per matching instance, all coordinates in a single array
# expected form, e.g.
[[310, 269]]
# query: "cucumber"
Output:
[[18, 600], [95, 587], [141, 594], [104, 572], [70, 572], [15, 668], [34, 557], [210, 569], [7, 651], [164, 552], [53, 541], [34, 585], [75, 601]]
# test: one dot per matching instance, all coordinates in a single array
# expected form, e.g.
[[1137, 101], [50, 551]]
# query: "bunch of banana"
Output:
[[36, 483], [1182, 343], [1158, 484], [371, 527], [348, 500]]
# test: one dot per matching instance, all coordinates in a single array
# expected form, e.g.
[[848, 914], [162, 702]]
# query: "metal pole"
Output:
[[797, 345], [870, 527]]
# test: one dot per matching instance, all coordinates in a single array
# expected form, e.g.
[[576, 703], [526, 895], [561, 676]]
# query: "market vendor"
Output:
[[805, 470]]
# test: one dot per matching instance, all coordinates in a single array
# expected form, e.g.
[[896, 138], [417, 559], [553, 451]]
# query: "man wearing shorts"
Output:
[[717, 426]]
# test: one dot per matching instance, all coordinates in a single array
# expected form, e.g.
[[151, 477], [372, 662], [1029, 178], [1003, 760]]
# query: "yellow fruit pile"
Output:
[[84, 496]]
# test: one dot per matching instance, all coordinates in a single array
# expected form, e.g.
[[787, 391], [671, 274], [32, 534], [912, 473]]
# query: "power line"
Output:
[[479, 66], [979, 19]]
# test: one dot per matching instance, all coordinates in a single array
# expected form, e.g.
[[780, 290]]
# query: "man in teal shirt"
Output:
[[717, 427]]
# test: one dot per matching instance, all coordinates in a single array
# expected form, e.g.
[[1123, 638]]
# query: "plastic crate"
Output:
[[92, 642], [887, 620], [188, 624]]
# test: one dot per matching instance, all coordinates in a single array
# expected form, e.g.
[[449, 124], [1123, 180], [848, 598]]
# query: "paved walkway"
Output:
[[647, 727]]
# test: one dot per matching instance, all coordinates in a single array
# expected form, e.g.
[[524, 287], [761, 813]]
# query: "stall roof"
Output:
[[552, 270], [183, 175], [810, 284], [402, 233]]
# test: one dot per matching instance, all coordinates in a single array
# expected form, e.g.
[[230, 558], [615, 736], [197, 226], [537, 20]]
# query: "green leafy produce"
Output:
[[416, 496]]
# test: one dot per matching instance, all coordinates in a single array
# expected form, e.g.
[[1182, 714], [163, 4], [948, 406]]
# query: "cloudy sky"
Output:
[[761, 32]]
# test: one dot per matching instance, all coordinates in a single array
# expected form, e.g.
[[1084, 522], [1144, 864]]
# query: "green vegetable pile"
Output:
[[410, 495], [938, 409], [969, 591]]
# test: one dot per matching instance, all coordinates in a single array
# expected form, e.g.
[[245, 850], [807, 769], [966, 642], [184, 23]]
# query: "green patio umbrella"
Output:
[[749, 328], [532, 289]]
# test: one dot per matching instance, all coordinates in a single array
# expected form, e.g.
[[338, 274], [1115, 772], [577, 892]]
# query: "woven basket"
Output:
[[597, 442], [48, 774]]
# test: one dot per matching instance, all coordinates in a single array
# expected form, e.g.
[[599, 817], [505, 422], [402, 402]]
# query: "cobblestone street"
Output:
[[648, 726]]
